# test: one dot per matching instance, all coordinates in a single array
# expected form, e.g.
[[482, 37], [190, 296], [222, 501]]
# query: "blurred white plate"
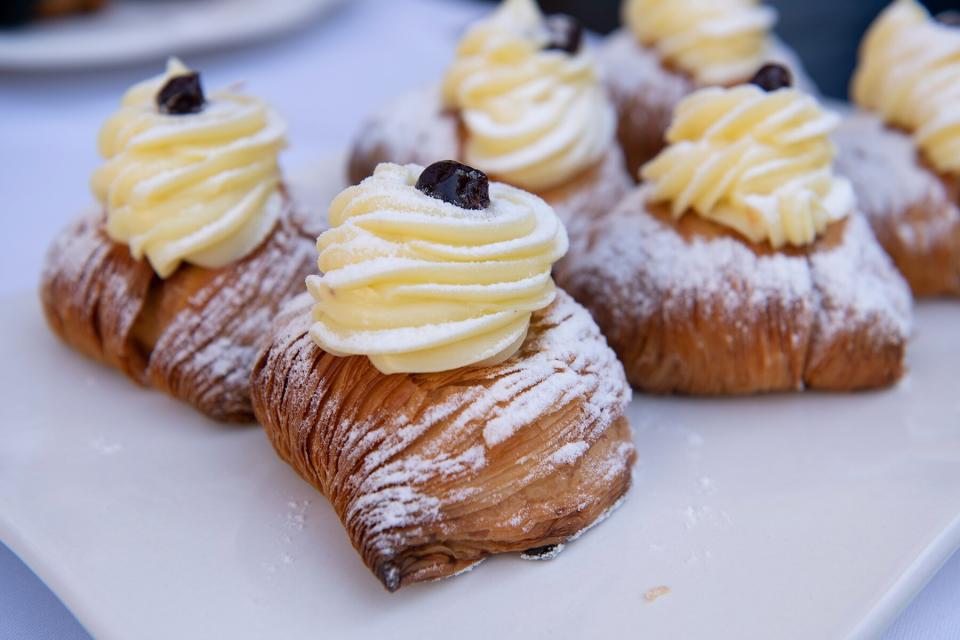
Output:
[[137, 30], [791, 516]]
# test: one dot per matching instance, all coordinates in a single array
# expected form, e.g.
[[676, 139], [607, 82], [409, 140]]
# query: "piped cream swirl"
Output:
[[533, 117], [909, 73], [760, 163], [717, 42], [201, 188], [419, 285]]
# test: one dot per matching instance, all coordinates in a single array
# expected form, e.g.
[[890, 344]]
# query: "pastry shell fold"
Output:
[[431, 473], [194, 334], [913, 210], [691, 307]]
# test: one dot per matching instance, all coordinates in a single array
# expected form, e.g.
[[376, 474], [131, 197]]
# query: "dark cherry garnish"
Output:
[[772, 76], [181, 95], [456, 184], [565, 33], [950, 18]]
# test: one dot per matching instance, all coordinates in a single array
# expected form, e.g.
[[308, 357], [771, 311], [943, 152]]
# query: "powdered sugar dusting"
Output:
[[637, 267], [456, 449], [859, 287], [390, 495], [883, 166], [563, 364], [644, 94], [913, 210], [635, 258], [568, 453], [94, 292], [206, 352], [591, 196], [391, 508], [411, 129]]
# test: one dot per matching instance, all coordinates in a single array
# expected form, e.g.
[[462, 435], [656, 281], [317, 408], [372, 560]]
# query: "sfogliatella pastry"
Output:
[[179, 274], [741, 264], [436, 387], [18, 12], [669, 48], [902, 151], [523, 102]]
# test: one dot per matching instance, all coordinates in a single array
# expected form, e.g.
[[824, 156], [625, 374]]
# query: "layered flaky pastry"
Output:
[[742, 265], [693, 307], [436, 386], [431, 473], [194, 334], [912, 207], [902, 151], [176, 278]]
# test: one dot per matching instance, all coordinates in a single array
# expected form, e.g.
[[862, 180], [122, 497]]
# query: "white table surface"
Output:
[[324, 79]]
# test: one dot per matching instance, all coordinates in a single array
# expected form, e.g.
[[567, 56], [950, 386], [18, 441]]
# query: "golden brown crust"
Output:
[[431, 473], [913, 210], [693, 308], [644, 93], [92, 292], [864, 312], [193, 335]]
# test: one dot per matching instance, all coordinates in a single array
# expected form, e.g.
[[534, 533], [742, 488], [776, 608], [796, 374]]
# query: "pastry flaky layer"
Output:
[[415, 129], [431, 473], [913, 209], [194, 334], [691, 307]]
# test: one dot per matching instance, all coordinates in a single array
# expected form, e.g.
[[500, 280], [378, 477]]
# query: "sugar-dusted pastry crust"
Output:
[[691, 307], [411, 129], [913, 209], [645, 92], [431, 473], [194, 334], [415, 129]]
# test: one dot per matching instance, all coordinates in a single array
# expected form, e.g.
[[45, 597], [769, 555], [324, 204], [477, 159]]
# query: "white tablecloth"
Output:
[[323, 79]]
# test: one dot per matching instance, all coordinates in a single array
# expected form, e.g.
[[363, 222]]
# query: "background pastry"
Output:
[[14, 12], [179, 275], [669, 48], [740, 265], [902, 153], [442, 394], [523, 102]]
